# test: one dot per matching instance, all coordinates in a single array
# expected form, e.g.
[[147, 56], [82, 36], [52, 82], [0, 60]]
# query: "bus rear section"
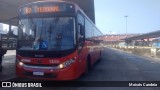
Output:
[[52, 43]]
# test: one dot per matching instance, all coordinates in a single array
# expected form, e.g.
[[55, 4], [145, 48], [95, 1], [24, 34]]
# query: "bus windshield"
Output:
[[51, 34]]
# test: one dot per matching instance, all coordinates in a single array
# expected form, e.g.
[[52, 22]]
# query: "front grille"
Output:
[[42, 65], [37, 66]]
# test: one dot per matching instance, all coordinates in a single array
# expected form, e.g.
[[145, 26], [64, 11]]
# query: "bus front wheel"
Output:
[[88, 64]]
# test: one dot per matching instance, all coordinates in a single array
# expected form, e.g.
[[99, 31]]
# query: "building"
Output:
[[8, 42], [115, 39]]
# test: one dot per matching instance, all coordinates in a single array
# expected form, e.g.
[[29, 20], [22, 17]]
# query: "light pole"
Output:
[[126, 30], [126, 24]]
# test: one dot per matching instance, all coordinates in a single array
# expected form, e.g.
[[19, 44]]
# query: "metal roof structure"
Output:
[[154, 34], [9, 8]]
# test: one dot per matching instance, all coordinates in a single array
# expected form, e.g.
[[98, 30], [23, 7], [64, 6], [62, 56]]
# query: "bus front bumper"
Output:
[[67, 73]]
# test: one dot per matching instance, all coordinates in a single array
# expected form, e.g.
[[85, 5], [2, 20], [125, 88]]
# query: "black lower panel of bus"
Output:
[[46, 75], [44, 54]]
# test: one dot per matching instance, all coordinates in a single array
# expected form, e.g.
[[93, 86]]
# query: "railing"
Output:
[[139, 50]]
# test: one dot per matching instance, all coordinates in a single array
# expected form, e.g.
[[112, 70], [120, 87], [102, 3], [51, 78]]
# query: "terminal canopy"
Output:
[[154, 34], [9, 8]]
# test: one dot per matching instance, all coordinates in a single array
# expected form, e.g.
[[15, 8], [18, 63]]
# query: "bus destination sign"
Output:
[[46, 9]]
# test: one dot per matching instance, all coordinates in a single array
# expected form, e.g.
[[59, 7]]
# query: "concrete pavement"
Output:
[[117, 65], [8, 64]]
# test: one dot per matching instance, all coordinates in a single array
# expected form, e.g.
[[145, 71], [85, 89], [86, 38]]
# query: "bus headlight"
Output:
[[67, 63], [19, 63]]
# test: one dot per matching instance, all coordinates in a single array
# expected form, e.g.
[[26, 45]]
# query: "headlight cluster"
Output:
[[19, 63], [60, 66], [67, 63]]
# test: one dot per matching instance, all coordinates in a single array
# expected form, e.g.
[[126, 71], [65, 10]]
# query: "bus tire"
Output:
[[100, 55], [88, 64]]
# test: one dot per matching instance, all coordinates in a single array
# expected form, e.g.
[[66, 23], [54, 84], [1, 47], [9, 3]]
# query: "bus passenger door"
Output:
[[81, 48], [81, 40]]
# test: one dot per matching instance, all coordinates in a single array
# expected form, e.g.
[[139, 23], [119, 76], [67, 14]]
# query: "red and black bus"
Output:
[[56, 41]]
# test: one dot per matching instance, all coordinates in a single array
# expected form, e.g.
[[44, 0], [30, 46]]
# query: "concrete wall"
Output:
[[138, 50]]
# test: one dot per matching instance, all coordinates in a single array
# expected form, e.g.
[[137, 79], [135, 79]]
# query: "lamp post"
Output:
[[126, 24], [126, 30]]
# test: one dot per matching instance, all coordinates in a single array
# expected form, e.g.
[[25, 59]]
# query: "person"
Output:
[[2, 52]]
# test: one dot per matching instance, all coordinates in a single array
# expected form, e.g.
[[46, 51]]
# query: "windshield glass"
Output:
[[47, 33]]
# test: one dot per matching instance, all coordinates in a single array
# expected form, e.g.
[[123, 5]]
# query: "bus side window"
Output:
[[81, 28], [81, 33]]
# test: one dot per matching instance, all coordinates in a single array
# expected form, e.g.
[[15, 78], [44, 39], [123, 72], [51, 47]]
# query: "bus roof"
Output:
[[41, 2], [49, 1]]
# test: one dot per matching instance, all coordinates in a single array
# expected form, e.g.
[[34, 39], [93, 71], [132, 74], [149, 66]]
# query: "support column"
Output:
[[9, 32], [148, 42]]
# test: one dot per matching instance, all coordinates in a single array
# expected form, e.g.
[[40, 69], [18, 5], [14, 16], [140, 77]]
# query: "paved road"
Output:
[[117, 65], [8, 64], [120, 66]]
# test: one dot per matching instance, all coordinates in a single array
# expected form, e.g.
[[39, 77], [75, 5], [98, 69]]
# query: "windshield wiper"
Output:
[[53, 23], [33, 26], [50, 31]]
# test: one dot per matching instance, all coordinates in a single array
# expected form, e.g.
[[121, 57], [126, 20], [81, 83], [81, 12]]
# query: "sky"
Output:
[[143, 16]]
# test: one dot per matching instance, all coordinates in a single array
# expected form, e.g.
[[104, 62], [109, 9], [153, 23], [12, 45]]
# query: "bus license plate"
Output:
[[38, 73]]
